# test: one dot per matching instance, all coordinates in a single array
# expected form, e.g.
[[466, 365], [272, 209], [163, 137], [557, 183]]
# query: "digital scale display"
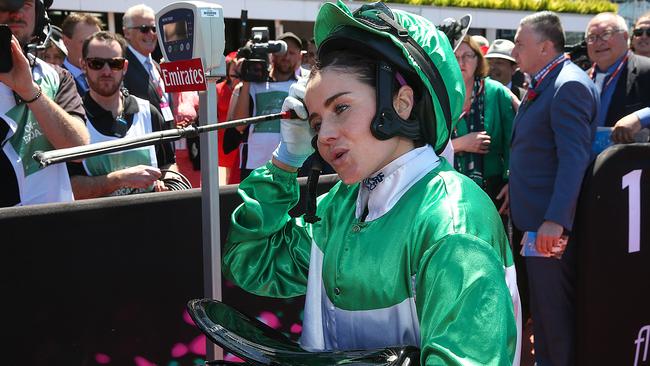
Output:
[[176, 31], [177, 34], [193, 30]]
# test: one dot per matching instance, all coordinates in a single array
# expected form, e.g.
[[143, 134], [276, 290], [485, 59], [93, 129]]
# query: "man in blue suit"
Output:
[[551, 149]]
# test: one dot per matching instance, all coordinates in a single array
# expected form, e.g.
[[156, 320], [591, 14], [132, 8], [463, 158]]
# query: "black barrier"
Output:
[[613, 221], [106, 281]]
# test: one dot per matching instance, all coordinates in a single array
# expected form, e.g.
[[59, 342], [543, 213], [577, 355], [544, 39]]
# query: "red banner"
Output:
[[186, 75]]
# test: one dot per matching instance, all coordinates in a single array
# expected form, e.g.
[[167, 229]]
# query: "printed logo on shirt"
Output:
[[268, 103], [104, 164], [371, 182], [28, 138]]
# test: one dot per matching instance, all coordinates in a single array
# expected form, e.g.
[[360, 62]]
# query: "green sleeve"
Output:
[[465, 310], [507, 115], [267, 251]]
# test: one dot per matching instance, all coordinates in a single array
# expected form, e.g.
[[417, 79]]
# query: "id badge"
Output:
[[528, 248], [602, 140], [166, 112]]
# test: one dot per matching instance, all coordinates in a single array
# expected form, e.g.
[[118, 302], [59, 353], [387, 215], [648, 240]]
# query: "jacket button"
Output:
[[337, 291], [356, 228]]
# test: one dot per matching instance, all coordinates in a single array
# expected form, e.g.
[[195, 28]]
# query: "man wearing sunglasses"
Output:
[[622, 77], [139, 29], [114, 114], [640, 42], [39, 110]]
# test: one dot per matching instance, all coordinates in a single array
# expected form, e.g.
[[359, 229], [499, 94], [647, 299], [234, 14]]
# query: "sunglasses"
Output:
[[97, 63], [145, 28], [638, 32]]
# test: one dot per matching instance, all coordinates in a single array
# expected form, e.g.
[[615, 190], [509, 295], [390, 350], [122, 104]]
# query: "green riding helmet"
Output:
[[421, 54]]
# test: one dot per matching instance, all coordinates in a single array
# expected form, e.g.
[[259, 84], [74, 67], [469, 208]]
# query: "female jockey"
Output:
[[407, 251]]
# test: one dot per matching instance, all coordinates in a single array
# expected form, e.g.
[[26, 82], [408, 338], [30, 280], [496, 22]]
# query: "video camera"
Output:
[[578, 54], [255, 67], [42, 29]]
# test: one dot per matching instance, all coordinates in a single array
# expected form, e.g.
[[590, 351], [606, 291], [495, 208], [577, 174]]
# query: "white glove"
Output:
[[296, 134]]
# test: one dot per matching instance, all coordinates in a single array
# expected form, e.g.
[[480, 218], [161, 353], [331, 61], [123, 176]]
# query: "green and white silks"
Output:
[[264, 137], [104, 164], [25, 137], [430, 266]]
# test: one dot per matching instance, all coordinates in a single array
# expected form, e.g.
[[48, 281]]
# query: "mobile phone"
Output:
[[5, 48]]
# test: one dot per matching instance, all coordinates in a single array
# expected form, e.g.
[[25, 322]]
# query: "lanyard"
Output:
[[474, 95], [592, 71], [559, 60]]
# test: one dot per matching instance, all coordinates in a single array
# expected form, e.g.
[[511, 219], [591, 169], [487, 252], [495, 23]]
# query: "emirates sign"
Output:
[[186, 75]]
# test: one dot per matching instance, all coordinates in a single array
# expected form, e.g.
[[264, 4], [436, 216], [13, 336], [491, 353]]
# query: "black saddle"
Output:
[[258, 344]]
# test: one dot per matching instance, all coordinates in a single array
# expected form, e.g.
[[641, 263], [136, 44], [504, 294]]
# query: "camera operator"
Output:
[[39, 110], [265, 97]]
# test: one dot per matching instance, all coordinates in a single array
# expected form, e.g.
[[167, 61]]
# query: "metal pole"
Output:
[[210, 204]]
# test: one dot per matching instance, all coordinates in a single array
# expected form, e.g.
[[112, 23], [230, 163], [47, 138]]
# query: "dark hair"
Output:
[[106, 37], [547, 25], [71, 21], [482, 66], [364, 68]]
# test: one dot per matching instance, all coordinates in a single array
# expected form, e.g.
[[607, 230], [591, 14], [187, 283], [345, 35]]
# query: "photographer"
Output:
[[40, 110], [265, 97]]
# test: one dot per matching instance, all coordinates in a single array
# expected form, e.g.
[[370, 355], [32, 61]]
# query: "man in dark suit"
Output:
[[143, 78], [551, 149], [622, 77]]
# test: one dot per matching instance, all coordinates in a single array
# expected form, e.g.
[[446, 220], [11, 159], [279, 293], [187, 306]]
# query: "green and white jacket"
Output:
[[430, 265], [36, 184]]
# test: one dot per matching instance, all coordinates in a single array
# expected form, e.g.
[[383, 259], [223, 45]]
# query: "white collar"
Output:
[[381, 191], [74, 70], [142, 58]]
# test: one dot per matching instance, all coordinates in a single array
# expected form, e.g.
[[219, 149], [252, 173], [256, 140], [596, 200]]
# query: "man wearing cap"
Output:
[[39, 110], [260, 140], [503, 66]]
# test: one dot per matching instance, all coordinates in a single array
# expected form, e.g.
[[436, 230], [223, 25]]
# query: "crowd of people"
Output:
[[441, 154]]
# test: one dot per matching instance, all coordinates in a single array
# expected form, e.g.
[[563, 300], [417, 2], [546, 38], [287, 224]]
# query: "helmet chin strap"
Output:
[[315, 169], [387, 123]]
